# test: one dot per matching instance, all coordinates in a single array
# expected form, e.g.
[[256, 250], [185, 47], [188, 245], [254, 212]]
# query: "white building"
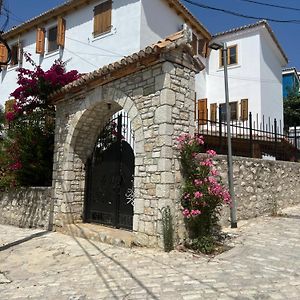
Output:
[[255, 61], [90, 34]]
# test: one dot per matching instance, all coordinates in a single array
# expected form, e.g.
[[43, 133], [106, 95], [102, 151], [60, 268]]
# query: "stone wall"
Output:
[[261, 187], [26, 207]]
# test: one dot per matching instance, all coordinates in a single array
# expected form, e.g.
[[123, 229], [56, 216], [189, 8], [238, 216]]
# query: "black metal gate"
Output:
[[110, 176]]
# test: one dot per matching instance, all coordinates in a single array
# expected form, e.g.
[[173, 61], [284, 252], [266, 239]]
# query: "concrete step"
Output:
[[112, 236]]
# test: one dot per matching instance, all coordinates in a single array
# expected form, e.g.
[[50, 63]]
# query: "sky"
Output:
[[215, 21]]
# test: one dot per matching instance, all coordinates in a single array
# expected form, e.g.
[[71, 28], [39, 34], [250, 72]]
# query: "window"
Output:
[[52, 39], [232, 56], [244, 109], [14, 55], [233, 111], [102, 18], [199, 45], [202, 111], [213, 112]]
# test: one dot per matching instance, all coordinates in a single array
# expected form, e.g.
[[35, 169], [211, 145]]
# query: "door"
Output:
[[110, 178]]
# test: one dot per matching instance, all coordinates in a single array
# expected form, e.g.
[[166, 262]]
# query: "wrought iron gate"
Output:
[[110, 176]]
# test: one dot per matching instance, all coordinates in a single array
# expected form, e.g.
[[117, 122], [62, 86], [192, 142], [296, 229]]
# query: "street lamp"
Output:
[[223, 47]]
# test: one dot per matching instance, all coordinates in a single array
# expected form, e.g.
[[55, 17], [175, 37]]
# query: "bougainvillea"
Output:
[[26, 155], [202, 193], [36, 85]]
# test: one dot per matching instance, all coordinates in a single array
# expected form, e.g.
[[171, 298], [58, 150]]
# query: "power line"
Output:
[[272, 5], [14, 17], [237, 14], [82, 58], [96, 47]]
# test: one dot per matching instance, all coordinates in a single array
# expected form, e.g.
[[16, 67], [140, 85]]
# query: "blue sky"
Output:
[[287, 34]]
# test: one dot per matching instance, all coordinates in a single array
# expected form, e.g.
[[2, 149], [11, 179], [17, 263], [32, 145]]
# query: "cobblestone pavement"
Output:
[[264, 264]]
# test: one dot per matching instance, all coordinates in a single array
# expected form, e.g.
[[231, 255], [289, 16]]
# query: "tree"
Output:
[[26, 154], [292, 110]]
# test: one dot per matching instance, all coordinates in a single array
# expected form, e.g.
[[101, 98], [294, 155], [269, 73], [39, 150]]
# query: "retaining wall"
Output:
[[261, 187], [26, 207]]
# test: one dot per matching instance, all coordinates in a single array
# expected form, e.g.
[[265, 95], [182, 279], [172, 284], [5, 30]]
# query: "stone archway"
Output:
[[159, 99]]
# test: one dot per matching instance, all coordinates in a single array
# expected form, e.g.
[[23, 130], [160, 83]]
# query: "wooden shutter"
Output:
[[61, 29], [40, 41], [102, 17], [9, 105], [202, 111], [3, 54], [213, 112], [244, 109]]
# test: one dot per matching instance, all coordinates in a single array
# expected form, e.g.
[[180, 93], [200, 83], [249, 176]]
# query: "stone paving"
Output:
[[264, 264]]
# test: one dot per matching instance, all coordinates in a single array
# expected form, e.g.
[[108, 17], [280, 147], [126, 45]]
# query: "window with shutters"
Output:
[[52, 39], [232, 56], [202, 111], [102, 18], [213, 112], [14, 61], [244, 110], [40, 41], [233, 111]]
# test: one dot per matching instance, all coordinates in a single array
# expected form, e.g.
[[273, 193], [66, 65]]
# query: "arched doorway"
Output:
[[110, 176]]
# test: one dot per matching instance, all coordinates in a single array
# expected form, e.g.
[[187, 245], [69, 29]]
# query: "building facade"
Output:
[[290, 82]]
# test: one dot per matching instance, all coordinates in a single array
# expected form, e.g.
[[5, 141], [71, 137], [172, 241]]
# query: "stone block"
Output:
[[168, 97], [163, 114], [167, 177], [164, 164], [166, 129], [162, 190], [139, 206]]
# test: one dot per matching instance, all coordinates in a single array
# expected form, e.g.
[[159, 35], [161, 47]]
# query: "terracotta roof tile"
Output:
[[181, 38]]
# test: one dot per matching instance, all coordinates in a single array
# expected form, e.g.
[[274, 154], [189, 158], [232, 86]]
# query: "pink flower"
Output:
[[9, 116], [186, 213], [211, 153], [207, 162], [186, 196], [198, 195], [214, 172], [195, 212], [15, 166], [198, 182]]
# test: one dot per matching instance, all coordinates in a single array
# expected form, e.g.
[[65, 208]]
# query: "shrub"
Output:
[[26, 154], [202, 193]]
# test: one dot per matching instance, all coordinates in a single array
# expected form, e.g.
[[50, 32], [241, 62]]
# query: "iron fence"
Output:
[[251, 138]]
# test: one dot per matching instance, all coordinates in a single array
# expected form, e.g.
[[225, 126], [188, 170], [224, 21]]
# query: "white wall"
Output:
[[243, 78], [271, 81], [158, 20], [82, 51]]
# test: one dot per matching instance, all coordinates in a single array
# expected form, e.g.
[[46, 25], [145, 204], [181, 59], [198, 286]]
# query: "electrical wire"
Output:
[[83, 59], [237, 14], [96, 47], [272, 5], [13, 16]]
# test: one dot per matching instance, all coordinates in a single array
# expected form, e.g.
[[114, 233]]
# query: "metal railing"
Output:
[[251, 138]]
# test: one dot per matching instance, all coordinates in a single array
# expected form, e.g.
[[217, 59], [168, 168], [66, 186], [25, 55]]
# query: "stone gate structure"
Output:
[[156, 88]]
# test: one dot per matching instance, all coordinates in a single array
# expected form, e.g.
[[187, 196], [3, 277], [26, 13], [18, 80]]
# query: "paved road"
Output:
[[264, 264]]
